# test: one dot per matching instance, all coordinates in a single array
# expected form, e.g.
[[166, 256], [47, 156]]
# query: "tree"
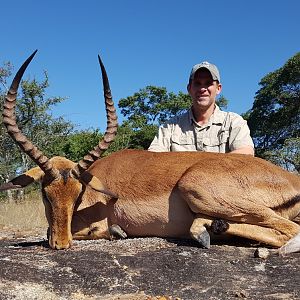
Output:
[[77, 144], [150, 107], [35, 121], [274, 119], [288, 156]]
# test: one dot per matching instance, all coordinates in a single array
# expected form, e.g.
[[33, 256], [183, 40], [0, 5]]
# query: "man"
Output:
[[204, 127]]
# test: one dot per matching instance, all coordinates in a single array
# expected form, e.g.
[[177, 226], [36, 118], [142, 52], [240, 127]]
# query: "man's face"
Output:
[[203, 89]]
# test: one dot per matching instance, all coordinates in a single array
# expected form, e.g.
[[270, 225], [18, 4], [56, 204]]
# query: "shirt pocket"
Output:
[[219, 143], [182, 143]]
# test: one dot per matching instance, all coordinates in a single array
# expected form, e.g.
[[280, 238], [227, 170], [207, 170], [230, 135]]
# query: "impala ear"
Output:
[[32, 175], [96, 184]]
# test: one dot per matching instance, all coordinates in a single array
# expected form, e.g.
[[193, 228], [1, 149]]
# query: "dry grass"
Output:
[[24, 217]]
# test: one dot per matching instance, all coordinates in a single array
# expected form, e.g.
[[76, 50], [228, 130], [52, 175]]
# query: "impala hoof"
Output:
[[203, 239], [116, 232]]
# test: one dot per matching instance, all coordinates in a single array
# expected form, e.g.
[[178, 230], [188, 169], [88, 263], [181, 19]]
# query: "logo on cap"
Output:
[[205, 64]]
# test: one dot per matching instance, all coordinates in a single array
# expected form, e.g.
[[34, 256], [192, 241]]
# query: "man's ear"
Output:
[[32, 175], [219, 88]]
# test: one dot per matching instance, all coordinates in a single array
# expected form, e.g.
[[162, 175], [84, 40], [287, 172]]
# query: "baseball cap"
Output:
[[210, 67]]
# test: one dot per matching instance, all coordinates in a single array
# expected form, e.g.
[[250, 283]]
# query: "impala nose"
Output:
[[58, 244]]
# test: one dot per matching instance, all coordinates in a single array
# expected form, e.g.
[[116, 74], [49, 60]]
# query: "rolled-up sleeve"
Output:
[[239, 134], [162, 140]]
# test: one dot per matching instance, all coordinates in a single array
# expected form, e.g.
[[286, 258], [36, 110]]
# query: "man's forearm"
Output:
[[244, 150]]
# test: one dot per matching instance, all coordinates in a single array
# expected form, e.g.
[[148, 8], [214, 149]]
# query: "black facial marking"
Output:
[[65, 174]]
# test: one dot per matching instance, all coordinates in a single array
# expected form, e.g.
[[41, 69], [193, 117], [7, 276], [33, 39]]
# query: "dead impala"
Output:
[[142, 193]]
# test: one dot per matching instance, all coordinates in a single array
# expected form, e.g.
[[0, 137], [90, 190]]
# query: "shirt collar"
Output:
[[216, 118]]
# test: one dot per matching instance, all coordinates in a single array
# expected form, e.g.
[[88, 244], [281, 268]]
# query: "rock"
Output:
[[142, 269], [261, 253]]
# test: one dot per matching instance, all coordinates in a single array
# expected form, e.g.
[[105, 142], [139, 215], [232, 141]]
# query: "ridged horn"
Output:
[[9, 120], [111, 127]]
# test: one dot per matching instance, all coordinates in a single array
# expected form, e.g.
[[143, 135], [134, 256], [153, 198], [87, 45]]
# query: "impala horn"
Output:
[[9, 120], [111, 128]]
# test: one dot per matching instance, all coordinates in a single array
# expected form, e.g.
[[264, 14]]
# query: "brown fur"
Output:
[[154, 188]]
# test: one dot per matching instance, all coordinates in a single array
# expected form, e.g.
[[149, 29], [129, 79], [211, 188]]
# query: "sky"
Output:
[[154, 42]]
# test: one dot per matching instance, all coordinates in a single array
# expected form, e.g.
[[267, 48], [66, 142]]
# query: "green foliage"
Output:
[[76, 145], [222, 102], [5, 72], [152, 105], [288, 156], [141, 139], [36, 121], [145, 110], [274, 119], [123, 138]]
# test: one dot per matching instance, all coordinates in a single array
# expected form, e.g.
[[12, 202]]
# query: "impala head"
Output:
[[63, 181]]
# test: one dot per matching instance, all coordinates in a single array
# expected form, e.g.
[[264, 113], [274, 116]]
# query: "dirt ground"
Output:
[[142, 268]]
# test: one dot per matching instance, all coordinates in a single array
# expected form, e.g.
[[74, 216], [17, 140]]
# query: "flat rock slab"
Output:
[[143, 268]]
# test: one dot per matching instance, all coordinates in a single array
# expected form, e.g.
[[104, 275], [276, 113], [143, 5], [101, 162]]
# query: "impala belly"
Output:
[[162, 216]]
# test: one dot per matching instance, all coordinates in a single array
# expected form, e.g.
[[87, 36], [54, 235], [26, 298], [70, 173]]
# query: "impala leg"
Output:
[[258, 233], [265, 235], [239, 210]]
